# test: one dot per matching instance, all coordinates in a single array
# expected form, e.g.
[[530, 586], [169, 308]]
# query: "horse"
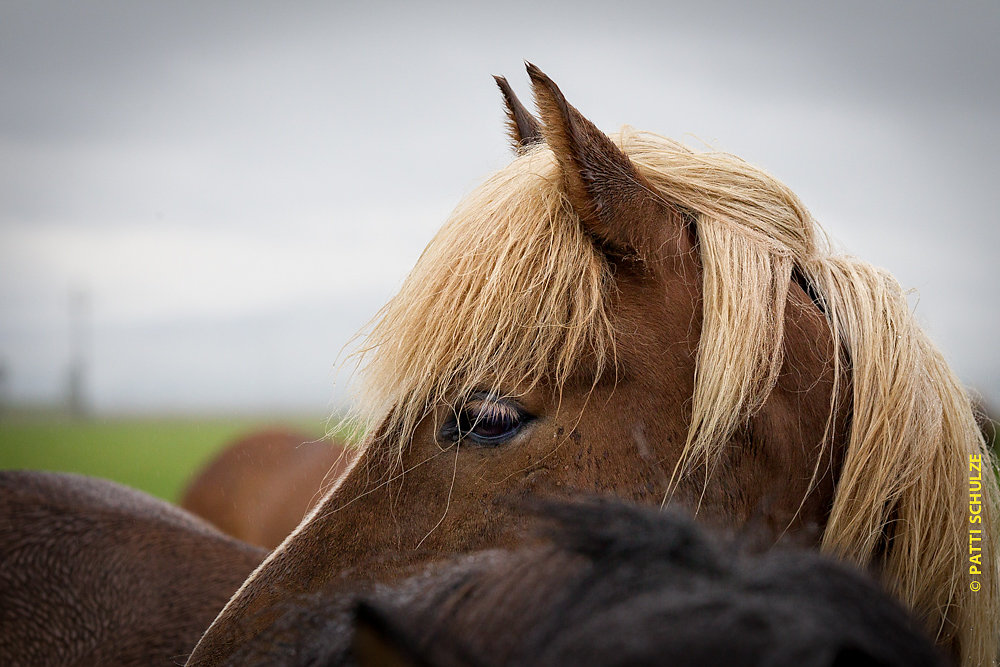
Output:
[[611, 577], [94, 573], [619, 314], [259, 487]]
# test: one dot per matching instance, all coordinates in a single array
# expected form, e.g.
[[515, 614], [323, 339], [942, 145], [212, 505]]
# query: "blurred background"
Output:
[[201, 203]]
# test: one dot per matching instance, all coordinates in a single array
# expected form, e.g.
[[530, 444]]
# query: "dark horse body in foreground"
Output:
[[621, 315], [618, 585], [94, 573]]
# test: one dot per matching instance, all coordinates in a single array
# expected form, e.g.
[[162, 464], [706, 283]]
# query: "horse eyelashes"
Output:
[[485, 422]]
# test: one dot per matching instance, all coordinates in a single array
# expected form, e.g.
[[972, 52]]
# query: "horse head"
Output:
[[618, 314]]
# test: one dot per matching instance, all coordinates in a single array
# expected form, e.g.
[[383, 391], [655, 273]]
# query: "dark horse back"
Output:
[[92, 572]]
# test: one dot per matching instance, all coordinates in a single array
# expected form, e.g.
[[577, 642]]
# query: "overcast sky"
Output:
[[239, 186]]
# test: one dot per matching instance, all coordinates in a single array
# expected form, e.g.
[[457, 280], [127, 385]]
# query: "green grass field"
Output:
[[156, 455]]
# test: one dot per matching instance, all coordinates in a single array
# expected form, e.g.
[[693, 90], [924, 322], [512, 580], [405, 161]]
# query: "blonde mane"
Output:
[[511, 292]]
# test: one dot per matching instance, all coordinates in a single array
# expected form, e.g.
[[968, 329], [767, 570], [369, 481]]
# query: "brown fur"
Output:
[[681, 333], [93, 573], [259, 487], [618, 585]]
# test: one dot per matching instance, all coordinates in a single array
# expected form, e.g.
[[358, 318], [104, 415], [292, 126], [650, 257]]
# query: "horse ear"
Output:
[[619, 207], [522, 127]]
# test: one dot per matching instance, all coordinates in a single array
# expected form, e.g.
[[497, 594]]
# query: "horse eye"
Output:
[[488, 422]]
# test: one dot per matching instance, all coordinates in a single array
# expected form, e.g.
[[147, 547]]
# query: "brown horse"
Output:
[[94, 573], [259, 487], [619, 314]]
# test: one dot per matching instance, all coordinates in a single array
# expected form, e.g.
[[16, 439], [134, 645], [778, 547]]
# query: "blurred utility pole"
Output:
[[76, 378], [3, 389]]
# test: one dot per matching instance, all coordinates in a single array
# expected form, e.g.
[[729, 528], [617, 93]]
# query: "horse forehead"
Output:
[[656, 321]]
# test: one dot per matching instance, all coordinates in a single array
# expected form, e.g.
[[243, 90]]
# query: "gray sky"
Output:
[[239, 186]]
